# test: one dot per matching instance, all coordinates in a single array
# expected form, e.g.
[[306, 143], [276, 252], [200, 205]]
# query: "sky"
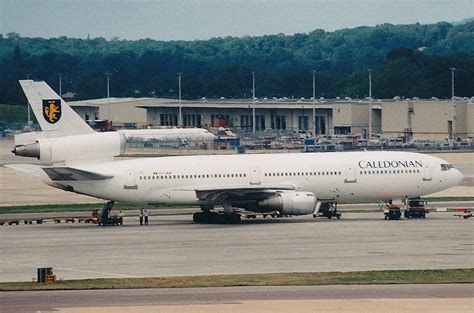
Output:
[[204, 19]]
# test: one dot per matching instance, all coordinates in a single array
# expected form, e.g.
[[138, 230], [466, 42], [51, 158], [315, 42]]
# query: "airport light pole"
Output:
[[453, 70], [370, 103], [314, 103], [253, 100], [60, 85], [108, 92], [180, 114]]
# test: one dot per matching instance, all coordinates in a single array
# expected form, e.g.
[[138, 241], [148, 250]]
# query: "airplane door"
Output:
[[427, 172], [254, 176], [130, 181], [350, 174]]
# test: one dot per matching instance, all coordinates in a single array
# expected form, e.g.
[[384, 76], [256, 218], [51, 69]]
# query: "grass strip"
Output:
[[440, 276]]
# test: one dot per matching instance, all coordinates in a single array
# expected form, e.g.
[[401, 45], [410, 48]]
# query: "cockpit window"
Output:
[[446, 167]]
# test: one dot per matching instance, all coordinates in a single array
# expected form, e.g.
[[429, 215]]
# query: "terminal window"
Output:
[[191, 120], [280, 122], [303, 123], [168, 119]]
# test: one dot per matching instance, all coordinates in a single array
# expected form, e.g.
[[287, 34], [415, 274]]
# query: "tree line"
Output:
[[406, 60]]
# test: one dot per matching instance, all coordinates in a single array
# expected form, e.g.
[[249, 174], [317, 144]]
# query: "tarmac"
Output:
[[175, 246], [368, 299]]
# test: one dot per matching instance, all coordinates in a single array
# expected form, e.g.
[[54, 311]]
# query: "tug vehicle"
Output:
[[416, 208]]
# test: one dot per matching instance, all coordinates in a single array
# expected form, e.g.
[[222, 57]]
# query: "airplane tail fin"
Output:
[[55, 117]]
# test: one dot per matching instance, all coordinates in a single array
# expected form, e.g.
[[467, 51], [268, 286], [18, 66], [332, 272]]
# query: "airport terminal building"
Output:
[[411, 118]]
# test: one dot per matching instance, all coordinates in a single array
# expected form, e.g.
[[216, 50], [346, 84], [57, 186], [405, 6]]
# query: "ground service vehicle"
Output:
[[392, 212], [416, 208]]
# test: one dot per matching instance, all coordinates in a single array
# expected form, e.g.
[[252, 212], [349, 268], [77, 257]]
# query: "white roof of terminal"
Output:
[[246, 104], [101, 101], [238, 103]]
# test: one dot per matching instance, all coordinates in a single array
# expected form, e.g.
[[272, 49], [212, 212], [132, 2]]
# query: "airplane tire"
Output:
[[216, 218]]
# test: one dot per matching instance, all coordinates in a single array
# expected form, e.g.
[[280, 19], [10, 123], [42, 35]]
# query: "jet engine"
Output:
[[95, 146], [290, 203]]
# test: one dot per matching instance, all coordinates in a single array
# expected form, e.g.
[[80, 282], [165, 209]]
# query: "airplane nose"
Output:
[[459, 177]]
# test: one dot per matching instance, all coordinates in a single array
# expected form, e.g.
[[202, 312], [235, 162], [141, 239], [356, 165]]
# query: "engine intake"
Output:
[[290, 202]]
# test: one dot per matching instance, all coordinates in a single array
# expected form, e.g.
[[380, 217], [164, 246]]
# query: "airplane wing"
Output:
[[72, 174], [218, 195]]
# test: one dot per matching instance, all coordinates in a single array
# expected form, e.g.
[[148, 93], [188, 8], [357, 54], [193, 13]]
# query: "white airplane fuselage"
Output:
[[339, 176], [168, 135]]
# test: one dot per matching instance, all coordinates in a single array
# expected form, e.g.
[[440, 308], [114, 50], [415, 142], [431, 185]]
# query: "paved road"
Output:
[[187, 298], [175, 246]]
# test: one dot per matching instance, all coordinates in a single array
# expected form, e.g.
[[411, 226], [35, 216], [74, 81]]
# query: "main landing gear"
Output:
[[211, 217], [327, 209]]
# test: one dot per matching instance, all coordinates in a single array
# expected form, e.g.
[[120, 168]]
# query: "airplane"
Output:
[[287, 183], [168, 135], [164, 136]]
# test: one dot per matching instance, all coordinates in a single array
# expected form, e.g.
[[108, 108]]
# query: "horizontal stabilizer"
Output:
[[72, 174], [31, 169]]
